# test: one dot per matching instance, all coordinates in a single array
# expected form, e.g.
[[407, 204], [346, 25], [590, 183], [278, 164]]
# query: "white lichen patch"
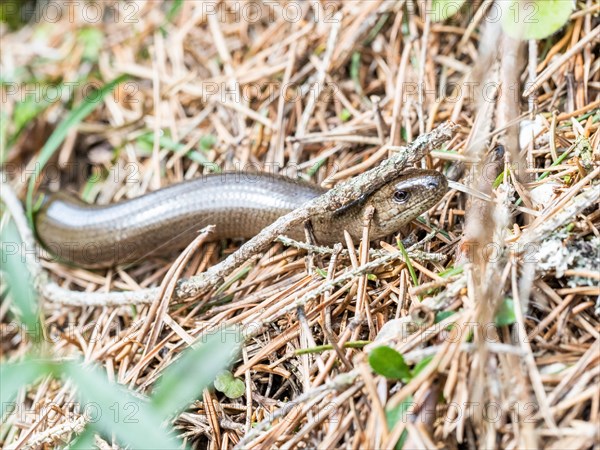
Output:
[[555, 256]]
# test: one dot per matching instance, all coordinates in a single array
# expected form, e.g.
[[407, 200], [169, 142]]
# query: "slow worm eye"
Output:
[[401, 196]]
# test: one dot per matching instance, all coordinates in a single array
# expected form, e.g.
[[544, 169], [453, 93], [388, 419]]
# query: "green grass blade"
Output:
[[184, 380], [15, 376], [58, 136], [19, 280], [409, 265], [114, 409]]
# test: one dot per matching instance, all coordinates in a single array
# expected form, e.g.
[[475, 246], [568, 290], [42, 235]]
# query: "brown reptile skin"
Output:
[[240, 205]]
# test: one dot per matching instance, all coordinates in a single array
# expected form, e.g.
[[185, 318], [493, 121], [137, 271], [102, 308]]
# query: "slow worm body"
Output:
[[240, 205]]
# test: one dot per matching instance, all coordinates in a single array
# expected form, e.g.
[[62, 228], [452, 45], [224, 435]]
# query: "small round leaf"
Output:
[[388, 362], [534, 19], [232, 387]]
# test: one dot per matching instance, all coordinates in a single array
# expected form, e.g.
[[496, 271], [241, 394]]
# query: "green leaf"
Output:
[[88, 188], [114, 409], [199, 158], [451, 271], [15, 376], [92, 39], [19, 280], [388, 362], [534, 19], [184, 380], [58, 136], [315, 167], [421, 365], [376, 29], [558, 161], [443, 315], [240, 275], [506, 313], [84, 441], [355, 76], [498, 181], [229, 385], [397, 414], [321, 272], [3, 136], [15, 13], [207, 142], [442, 9], [345, 115], [28, 109], [174, 9]]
